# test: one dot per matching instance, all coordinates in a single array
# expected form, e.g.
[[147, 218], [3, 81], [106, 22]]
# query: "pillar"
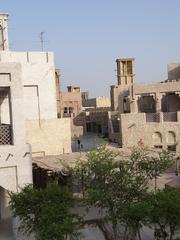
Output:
[[134, 104], [158, 102]]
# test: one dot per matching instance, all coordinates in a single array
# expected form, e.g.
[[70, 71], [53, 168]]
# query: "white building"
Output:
[[28, 115]]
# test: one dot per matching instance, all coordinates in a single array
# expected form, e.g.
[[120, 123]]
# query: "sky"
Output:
[[87, 36]]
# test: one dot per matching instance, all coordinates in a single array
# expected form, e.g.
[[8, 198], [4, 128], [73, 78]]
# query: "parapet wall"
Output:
[[27, 57], [136, 128]]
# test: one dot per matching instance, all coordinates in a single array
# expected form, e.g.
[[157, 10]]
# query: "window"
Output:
[[158, 146], [171, 138], [157, 138], [65, 110]]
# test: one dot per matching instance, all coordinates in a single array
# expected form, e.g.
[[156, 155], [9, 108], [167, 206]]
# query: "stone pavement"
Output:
[[89, 141]]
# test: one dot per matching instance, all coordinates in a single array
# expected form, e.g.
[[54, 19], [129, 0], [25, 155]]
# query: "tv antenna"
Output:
[[41, 36]]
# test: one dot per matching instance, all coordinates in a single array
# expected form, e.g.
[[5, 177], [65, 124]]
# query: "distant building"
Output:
[[147, 113], [71, 103], [69, 106]]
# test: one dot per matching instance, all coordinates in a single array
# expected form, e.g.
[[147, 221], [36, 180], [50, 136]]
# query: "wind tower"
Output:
[[4, 45], [125, 71]]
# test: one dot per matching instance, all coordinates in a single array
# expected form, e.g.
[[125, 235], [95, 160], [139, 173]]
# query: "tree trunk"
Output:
[[125, 233], [163, 231], [171, 232], [139, 233], [115, 231]]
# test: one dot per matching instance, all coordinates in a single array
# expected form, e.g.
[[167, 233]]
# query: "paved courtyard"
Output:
[[89, 142]]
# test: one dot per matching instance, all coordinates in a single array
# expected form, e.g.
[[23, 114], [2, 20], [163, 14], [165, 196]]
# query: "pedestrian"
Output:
[[81, 147], [79, 144]]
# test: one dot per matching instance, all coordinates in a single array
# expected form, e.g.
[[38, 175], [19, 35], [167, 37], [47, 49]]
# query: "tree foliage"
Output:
[[164, 211], [115, 184], [120, 186], [46, 212]]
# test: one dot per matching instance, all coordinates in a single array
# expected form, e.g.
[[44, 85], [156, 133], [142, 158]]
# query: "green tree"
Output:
[[164, 211], [155, 163], [114, 183], [46, 212]]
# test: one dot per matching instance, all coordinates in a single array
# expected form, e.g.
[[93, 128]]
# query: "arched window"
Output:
[[157, 138], [171, 137]]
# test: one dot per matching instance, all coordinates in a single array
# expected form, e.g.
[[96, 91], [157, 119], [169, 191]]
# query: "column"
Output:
[[134, 104], [158, 102]]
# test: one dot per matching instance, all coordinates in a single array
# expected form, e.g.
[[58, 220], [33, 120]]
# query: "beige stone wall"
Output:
[[76, 131], [39, 92], [134, 128], [114, 136], [53, 136], [38, 79], [15, 158], [117, 95], [103, 101], [159, 87], [99, 102]]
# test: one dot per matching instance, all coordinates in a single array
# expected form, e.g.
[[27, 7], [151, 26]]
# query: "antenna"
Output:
[[41, 36]]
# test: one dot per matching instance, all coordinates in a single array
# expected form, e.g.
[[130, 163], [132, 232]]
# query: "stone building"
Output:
[[70, 106], [94, 115], [71, 102], [44, 131], [148, 114], [15, 153], [28, 116], [93, 120]]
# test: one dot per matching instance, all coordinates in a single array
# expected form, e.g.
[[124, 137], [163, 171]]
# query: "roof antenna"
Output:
[[41, 36]]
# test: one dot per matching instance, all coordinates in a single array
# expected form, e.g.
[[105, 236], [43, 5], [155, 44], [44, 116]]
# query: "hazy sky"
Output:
[[88, 35]]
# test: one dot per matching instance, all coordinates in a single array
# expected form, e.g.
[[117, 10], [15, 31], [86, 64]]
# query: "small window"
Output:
[[65, 110], [158, 146]]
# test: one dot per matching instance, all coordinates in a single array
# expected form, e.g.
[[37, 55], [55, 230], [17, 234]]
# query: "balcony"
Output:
[[162, 117], [170, 116], [5, 134], [152, 117]]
